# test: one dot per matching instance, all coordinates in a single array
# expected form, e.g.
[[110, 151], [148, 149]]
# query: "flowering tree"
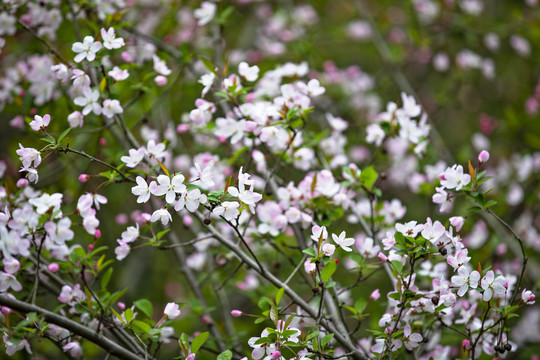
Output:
[[203, 181]]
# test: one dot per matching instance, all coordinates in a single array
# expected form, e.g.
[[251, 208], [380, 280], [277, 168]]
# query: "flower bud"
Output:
[[21, 183], [97, 234], [457, 222], [121, 306], [5, 310], [237, 313], [91, 247], [84, 177], [483, 157], [160, 80], [127, 57], [466, 344], [53, 267], [187, 220], [375, 295], [275, 355], [182, 128], [207, 320], [146, 217]]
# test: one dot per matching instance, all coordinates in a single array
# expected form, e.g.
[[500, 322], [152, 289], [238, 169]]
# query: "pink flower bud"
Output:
[[102, 142], [187, 220], [221, 260], [250, 97], [121, 306], [501, 249], [375, 295], [121, 219], [466, 344], [97, 234], [146, 217], [160, 80], [442, 176], [182, 128], [222, 139], [457, 222], [236, 313], [127, 57], [33, 111], [191, 357], [91, 246], [53, 267], [22, 183], [483, 157], [5, 310], [251, 125], [382, 257], [207, 320], [84, 177], [275, 355]]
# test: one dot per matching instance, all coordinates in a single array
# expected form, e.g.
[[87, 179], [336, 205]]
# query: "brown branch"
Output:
[[70, 325]]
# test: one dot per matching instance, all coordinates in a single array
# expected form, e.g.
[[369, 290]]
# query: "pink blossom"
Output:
[[172, 310]]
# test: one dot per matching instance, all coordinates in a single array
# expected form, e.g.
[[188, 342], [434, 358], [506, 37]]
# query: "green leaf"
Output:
[[145, 306], [328, 270], [77, 254], [360, 304], [397, 265], [312, 335], [141, 326], [128, 314], [310, 252], [118, 316], [274, 315], [105, 278], [226, 355], [208, 64], [368, 176], [199, 341], [288, 322], [279, 295], [326, 339], [63, 135], [161, 233]]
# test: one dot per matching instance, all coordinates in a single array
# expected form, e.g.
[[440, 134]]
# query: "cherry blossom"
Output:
[[191, 200], [453, 178], [492, 285], [411, 340], [29, 155], [343, 242], [464, 280], [409, 229], [141, 190], [89, 100], [86, 49], [110, 41], [169, 187], [251, 73], [227, 209], [459, 259], [162, 215], [118, 74], [172, 310], [205, 13], [134, 158], [40, 123], [111, 108]]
